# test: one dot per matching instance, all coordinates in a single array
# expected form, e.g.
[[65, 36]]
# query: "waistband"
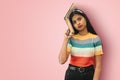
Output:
[[80, 69]]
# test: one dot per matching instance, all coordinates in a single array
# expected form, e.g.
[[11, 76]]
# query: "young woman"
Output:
[[84, 47]]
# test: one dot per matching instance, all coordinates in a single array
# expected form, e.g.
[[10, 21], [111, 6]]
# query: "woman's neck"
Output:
[[83, 32]]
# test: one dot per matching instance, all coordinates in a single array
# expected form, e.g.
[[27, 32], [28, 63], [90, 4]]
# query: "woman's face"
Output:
[[79, 22]]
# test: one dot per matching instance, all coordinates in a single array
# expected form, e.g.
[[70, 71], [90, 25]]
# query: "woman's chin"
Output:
[[80, 29]]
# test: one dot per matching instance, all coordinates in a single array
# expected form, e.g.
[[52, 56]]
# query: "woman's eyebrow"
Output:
[[79, 17], [73, 20]]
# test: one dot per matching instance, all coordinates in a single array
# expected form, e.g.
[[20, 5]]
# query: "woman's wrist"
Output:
[[66, 39]]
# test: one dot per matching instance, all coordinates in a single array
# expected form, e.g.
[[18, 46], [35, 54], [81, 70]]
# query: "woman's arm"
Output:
[[63, 55], [98, 67]]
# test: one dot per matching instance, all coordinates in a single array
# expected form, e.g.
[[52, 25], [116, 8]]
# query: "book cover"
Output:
[[66, 18]]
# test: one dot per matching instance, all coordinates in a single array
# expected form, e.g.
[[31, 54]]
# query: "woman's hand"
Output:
[[67, 34]]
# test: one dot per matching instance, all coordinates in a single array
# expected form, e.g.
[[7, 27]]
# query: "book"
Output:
[[66, 18]]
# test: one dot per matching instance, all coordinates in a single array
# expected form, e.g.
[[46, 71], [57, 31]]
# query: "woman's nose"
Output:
[[78, 23]]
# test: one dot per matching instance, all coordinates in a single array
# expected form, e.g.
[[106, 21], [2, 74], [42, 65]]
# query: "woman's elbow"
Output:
[[62, 62]]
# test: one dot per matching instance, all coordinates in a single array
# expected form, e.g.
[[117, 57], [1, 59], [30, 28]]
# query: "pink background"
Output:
[[32, 31]]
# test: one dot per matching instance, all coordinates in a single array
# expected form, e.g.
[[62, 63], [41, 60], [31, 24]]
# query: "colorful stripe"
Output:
[[83, 52], [82, 61]]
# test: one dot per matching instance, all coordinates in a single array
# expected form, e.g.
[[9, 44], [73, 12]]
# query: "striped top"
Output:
[[84, 48]]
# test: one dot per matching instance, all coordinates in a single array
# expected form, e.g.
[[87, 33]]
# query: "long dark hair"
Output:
[[80, 12]]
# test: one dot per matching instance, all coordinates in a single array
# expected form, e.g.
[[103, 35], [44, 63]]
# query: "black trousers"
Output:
[[76, 74]]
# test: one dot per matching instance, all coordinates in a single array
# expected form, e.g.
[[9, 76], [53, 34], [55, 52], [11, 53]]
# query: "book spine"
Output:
[[69, 26]]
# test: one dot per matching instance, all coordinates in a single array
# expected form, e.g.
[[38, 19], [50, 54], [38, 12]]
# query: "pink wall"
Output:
[[32, 31]]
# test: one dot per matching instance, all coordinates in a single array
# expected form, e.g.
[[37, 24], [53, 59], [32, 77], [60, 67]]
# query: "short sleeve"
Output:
[[69, 46], [98, 48]]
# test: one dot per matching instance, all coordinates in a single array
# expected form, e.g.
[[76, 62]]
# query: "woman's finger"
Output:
[[68, 31]]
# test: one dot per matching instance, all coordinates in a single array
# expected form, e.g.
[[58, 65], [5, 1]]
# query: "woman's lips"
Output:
[[80, 26]]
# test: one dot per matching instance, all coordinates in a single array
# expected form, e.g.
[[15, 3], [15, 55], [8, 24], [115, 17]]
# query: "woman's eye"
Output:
[[74, 22], [79, 19]]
